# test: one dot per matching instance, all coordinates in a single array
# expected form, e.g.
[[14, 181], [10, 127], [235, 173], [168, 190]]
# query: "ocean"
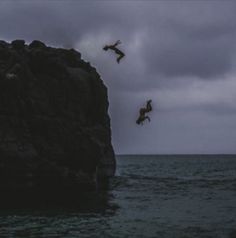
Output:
[[166, 196]]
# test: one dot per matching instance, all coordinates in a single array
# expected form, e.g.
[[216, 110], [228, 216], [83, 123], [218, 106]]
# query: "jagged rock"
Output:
[[3, 44], [37, 44], [54, 125], [18, 44]]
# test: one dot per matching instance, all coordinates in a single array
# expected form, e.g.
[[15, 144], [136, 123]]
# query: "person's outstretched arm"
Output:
[[117, 43]]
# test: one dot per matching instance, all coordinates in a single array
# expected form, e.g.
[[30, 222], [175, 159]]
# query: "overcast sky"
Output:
[[180, 54]]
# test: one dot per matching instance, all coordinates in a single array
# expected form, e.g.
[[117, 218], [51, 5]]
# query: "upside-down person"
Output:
[[142, 113], [117, 51]]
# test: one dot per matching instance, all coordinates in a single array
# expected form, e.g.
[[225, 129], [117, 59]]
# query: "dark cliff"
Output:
[[54, 126]]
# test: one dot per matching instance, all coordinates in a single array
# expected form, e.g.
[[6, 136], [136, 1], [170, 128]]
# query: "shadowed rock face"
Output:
[[54, 125]]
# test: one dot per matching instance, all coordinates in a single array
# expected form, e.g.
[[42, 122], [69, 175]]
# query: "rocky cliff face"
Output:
[[54, 125]]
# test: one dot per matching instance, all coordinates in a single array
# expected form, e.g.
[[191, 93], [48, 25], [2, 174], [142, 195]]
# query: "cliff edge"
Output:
[[54, 125]]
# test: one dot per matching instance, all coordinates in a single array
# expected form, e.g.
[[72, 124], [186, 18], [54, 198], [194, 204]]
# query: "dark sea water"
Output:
[[151, 196]]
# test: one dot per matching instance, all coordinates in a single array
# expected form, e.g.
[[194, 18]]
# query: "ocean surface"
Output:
[[175, 196]]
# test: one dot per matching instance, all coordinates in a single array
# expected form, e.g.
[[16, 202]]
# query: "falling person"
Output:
[[117, 51], [142, 113]]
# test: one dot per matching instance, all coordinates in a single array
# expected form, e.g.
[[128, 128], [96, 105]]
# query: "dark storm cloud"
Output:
[[193, 44], [187, 57], [58, 22]]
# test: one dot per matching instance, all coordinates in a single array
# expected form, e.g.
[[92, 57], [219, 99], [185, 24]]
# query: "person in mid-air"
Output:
[[142, 113], [117, 51]]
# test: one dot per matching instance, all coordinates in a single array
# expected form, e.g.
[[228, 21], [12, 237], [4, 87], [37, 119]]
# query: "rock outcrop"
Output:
[[54, 125]]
